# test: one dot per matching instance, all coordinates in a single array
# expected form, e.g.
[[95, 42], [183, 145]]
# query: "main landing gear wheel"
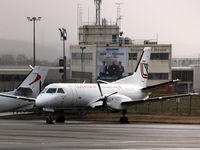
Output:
[[60, 118], [124, 119]]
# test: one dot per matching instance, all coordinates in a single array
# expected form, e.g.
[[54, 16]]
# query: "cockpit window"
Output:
[[60, 90], [51, 90]]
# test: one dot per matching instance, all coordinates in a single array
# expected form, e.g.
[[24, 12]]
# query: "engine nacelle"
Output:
[[114, 101]]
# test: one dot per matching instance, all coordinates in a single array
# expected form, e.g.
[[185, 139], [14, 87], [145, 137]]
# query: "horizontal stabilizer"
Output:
[[154, 87]]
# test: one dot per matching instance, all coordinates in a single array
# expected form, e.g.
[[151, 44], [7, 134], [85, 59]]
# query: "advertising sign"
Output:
[[111, 63]]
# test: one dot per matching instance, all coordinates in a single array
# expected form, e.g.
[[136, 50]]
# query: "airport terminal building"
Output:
[[101, 46], [188, 71], [104, 45]]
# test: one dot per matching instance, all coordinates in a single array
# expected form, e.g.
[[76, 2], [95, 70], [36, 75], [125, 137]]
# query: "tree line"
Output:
[[21, 59]]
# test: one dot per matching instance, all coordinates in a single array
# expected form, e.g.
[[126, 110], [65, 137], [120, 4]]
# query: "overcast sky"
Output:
[[176, 22]]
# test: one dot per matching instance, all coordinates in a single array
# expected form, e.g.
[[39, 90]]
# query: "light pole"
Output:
[[82, 49], [34, 19], [63, 37]]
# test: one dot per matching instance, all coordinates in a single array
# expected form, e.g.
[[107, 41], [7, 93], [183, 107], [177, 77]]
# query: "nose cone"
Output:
[[42, 101]]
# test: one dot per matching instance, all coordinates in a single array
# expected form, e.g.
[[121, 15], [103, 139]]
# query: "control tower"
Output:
[[101, 32], [102, 40]]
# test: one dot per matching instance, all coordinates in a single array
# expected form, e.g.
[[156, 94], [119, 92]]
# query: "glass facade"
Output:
[[158, 76], [78, 74], [159, 56], [183, 75], [82, 56], [132, 56]]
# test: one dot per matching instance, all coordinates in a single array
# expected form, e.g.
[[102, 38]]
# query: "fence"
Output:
[[187, 105]]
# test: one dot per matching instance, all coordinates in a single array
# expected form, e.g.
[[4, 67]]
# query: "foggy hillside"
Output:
[[14, 47]]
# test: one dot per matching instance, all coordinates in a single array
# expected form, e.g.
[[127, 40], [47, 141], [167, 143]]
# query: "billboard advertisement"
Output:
[[111, 63]]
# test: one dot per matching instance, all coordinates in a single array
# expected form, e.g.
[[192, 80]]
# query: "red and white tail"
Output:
[[140, 75], [31, 85]]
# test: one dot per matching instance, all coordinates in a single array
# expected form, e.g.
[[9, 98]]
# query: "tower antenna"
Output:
[[119, 17], [98, 11]]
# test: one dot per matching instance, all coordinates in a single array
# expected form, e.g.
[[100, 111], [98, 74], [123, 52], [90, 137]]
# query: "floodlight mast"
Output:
[[98, 11], [34, 19], [63, 37]]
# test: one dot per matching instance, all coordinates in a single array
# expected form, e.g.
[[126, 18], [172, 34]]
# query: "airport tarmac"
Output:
[[36, 135]]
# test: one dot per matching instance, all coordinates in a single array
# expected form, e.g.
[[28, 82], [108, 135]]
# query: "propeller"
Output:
[[104, 98], [100, 89]]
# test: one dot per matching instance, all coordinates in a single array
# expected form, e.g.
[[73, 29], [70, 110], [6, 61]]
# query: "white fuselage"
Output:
[[111, 95], [81, 95], [23, 97], [13, 104]]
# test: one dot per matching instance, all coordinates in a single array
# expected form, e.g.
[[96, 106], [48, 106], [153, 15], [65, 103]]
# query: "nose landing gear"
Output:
[[59, 119], [49, 119]]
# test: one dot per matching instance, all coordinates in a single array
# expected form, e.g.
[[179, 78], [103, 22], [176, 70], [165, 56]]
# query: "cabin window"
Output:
[[51, 90], [60, 90]]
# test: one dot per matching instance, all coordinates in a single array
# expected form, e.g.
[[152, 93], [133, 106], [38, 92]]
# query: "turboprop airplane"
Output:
[[115, 96], [23, 97]]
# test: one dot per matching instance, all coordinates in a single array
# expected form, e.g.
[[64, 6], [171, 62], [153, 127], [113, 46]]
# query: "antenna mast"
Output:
[[119, 17], [98, 11]]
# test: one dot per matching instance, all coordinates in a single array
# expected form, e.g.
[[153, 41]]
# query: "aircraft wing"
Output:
[[18, 97], [157, 99], [153, 87]]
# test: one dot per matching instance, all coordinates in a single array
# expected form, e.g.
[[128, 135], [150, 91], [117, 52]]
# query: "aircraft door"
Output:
[[71, 96], [60, 98]]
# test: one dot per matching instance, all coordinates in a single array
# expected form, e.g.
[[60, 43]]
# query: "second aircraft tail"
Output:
[[140, 75], [31, 86]]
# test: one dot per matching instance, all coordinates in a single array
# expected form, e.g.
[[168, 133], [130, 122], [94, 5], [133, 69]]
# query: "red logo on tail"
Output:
[[38, 77], [144, 67]]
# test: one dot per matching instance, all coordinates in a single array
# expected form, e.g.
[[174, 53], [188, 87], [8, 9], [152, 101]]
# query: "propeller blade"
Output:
[[112, 94], [100, 89], [103, 97]]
